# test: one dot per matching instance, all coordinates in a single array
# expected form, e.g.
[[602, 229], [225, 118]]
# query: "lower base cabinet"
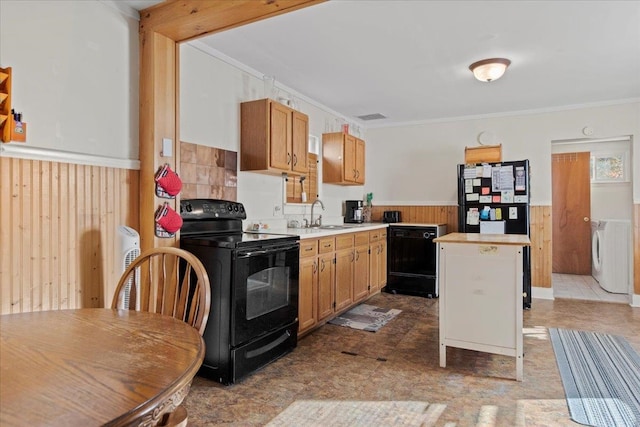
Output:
[[338, 272], [308, 293], [326, 281]]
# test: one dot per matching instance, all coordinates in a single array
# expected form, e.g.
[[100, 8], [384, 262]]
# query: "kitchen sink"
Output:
[[334, 227]]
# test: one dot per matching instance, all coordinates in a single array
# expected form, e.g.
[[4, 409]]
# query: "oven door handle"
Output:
[[250, 253]]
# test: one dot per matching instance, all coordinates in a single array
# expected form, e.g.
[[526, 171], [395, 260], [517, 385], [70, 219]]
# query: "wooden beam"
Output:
[[188, 19], [158, 118], [162, 28]]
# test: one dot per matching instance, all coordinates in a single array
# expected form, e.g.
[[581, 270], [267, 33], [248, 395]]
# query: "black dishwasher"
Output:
[[412, 259]]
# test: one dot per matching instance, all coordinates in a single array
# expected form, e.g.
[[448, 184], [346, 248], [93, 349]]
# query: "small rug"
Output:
[[334, 413], [366, 317], [601, 377]]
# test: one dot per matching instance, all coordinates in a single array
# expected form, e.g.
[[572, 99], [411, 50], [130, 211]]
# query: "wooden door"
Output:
[[571, 212], [359, 161], [326, 282], [307, 306], [280, 137], [350, 158], [300, 138], [344, 278], [361, 273]]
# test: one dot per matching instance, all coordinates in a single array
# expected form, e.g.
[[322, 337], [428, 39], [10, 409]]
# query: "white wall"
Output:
[[417, 164], [211, 91], [75, 67], [75, 74]]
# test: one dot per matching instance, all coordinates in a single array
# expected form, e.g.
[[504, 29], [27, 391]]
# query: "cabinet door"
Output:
[[344, 278], [350, 171], [307, 306], [326, 282], [383, 265], [359, 160], [280, 137], [361, 273], [300, 142], [374, 267]]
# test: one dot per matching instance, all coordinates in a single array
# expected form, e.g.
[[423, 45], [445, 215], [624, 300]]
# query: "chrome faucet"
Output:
[[313, 224]]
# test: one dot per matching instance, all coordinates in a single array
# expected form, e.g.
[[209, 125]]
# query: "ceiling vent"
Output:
[[374, 116]]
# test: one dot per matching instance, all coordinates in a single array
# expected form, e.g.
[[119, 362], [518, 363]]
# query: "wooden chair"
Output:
[[169, 281]]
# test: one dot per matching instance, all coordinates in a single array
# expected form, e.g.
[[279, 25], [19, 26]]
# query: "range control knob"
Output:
[[229, 207], [235, 208]]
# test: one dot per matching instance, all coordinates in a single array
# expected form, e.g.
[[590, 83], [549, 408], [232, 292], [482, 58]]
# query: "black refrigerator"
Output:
[[494, 198]]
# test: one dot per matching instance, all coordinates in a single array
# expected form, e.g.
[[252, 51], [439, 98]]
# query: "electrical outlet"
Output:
[[277, 210], [513, 212]]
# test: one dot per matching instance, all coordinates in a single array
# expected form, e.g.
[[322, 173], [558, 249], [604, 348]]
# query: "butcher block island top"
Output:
[[486, 239]]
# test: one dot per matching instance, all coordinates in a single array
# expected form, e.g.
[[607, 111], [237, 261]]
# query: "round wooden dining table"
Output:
[[90, 367]]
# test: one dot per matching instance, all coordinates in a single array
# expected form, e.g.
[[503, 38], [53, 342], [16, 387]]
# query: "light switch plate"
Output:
[[167, 147]]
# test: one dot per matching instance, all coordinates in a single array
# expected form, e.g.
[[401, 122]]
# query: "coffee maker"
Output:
[[353, 211]]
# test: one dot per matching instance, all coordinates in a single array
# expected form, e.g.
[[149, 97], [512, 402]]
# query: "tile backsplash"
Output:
[[208, 172]]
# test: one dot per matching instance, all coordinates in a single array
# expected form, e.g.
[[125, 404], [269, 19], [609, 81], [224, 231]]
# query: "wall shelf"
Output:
[[5, 104]]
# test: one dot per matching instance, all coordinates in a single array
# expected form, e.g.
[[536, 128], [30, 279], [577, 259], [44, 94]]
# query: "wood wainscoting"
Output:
[[58, 232], [540, 232]]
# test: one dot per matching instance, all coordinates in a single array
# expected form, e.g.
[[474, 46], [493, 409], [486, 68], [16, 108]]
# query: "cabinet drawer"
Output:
[[374, 235], [308, 248], [344, 241], [383, 234], [328, 244], [361, 239]]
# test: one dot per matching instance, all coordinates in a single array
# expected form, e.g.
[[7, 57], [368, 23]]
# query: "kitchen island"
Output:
[[480, 307]]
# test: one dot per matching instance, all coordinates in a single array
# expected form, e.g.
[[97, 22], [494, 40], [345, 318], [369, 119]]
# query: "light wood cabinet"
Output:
[[308, 286], [343, 158], [361, 273], [326, 285], [273, 138], [338, 271], [344, 278], [378, 260]]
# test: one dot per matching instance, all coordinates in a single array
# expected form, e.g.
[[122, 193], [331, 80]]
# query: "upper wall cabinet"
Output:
[[273, 138], [342, 159]]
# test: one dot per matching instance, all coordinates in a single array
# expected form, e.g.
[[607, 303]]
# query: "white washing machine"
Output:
[[610, 254], [596, 261]]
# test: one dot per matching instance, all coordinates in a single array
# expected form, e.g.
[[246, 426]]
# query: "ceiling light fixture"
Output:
[[489, 70]]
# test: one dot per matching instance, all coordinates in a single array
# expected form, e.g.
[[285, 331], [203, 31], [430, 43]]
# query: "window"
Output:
[[607, 167]]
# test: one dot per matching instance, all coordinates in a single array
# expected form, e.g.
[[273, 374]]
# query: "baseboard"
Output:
[[541, 293], [635, 300]]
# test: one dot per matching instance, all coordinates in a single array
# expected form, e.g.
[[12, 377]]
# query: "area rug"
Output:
[[366, 317], [601, 377], [334, 413]]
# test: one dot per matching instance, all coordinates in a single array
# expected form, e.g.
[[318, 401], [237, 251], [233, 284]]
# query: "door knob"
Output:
[[586, 219]]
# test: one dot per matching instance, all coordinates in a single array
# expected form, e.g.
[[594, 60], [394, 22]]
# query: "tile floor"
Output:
[[583, 287], [400, 362]]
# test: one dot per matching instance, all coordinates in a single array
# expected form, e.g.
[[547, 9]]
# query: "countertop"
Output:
[[488, 239], [315, 232]]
